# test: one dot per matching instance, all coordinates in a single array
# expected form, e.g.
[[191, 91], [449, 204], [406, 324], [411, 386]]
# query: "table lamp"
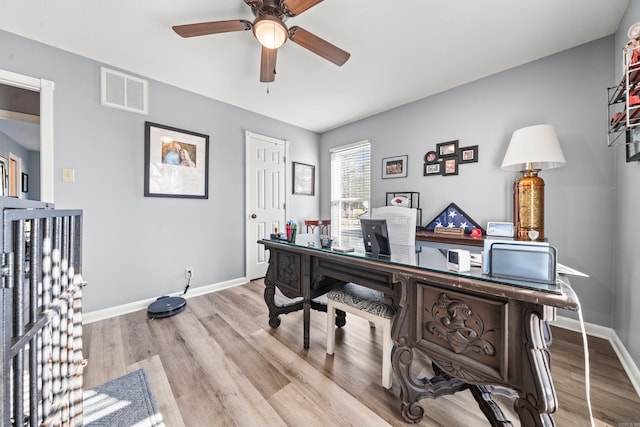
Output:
[[530, 150]]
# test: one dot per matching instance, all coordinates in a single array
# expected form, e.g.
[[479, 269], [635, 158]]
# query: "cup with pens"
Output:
[[291, 228]]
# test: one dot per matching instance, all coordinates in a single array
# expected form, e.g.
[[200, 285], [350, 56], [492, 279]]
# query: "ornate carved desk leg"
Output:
[[402, 357], [538, 396], [276, 310], [269, 299], [494, 414]]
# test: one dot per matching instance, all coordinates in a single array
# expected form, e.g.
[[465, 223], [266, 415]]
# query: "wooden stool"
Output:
[[369, 305], [323, 224]]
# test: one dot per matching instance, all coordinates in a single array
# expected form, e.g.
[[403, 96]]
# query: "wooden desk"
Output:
[[479, 332]]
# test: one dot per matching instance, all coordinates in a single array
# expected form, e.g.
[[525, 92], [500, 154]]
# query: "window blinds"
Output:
[[350, 192]]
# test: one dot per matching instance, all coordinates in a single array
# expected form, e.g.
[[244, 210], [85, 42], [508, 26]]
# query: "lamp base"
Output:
[[528, 206]]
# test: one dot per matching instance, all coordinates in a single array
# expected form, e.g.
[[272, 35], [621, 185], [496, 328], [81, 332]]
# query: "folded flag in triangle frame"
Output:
[[454, 217]]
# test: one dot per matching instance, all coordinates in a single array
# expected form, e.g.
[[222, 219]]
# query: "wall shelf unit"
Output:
[[624, 105]]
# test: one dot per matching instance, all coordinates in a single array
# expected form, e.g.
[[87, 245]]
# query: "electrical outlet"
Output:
[[188, 273]]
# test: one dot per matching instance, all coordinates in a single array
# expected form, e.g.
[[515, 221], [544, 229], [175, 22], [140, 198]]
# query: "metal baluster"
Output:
[[18, 320]]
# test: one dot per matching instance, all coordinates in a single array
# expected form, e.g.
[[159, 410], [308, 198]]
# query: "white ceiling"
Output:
[[401, 50]]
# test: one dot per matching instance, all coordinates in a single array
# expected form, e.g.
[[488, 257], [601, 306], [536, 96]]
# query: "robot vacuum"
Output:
[[166, 306]]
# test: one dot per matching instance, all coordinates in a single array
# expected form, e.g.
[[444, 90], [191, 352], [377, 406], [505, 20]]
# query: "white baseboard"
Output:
[[610, 335], [107, 313]]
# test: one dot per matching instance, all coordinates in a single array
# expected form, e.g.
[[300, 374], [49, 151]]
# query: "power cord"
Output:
[[585, 346], [188, 283], [587, 383]]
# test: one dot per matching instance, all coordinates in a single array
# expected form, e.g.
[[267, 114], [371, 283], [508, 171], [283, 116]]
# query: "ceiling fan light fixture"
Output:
[[270, 31]]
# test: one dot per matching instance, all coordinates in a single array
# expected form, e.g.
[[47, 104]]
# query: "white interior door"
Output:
[[266, 197]]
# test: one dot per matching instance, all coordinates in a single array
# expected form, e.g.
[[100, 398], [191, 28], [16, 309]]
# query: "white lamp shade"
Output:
[[270, 32], [534, 148]]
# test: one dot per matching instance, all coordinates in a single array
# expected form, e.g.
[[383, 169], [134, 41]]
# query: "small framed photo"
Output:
[[469, 154], [394, 167], [176, 162], [25, 183], [432, 169], [304, 179], [450, 166], [447, 149], [431, 157]]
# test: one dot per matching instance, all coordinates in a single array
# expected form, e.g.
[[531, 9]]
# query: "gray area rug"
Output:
[[124, 402]]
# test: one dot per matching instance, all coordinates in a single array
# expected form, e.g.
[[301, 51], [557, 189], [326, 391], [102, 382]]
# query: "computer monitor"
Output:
[[375, 236]]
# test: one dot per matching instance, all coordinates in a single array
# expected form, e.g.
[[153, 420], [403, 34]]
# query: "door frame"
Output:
[[45, 87], [287, 187]]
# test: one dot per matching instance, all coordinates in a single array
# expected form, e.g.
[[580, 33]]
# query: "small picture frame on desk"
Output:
[[632, 148]]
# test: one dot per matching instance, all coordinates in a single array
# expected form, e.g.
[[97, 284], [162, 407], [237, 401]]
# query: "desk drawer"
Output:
[[453, 326], [380, 279]]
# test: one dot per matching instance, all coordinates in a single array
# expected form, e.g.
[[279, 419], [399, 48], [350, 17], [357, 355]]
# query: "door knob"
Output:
[[254, 216]]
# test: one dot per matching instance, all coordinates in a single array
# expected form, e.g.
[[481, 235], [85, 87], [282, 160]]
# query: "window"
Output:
[[350, 191]]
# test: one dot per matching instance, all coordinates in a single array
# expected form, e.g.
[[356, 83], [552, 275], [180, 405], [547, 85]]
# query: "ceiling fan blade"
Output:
[[318, 46], [296, 7], [268, 65], [215, 27]]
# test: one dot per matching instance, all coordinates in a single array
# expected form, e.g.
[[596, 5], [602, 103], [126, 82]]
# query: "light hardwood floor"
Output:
[[219, 363]]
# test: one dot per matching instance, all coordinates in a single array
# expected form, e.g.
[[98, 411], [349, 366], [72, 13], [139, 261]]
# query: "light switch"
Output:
[[68, 175]]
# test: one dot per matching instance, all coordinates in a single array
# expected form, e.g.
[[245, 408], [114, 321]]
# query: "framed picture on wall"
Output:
[[450, 166], [304, 179], [432, 169], [447, 149], [431, 157], [394, 167], [176, 162], [469, 154]]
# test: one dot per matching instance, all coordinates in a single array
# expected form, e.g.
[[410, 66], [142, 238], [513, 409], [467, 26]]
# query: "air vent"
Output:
[[119, 90]]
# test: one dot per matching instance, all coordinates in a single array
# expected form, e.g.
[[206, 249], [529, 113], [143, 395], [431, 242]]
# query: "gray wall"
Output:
[[30, 164], [136, 247], [566, 90], [626, 266]]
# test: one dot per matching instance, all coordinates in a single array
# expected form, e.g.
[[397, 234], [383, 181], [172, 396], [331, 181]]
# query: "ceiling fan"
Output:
[[271, 32]]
